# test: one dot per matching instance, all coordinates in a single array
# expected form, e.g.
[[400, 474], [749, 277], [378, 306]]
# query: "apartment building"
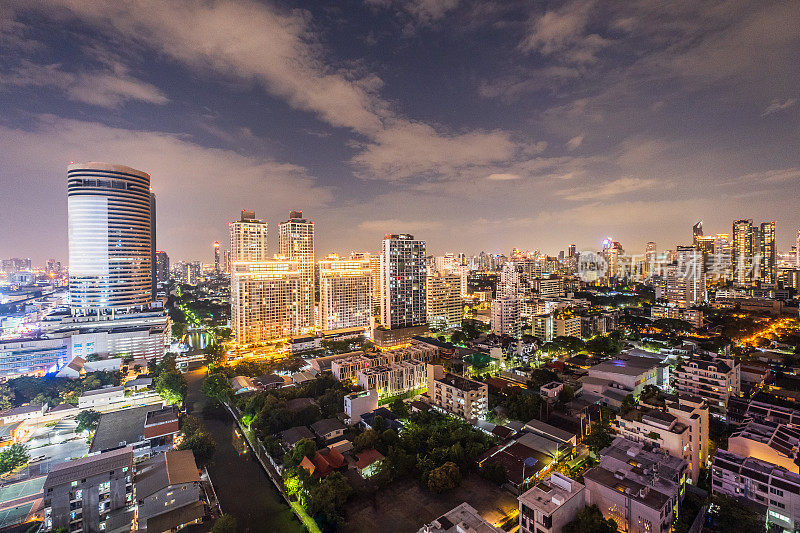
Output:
[[505, 318], [692, 316], [680, 428], [443, 293], [550, 504], [715, 379], [773, 488], [93, 493], [774, 443], [568, 326], [551, 287], [637, 485], [461, 519], [345, 293], [168, 492], [459, 396], [542, 327], [394, 379]]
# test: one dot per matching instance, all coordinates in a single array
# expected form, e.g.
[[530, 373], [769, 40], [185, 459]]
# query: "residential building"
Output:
[[347, 368], [713, 378], [111, 247], [566, 325], [162, 267], [92, 493], [772, 488], [680, 428], [168, 492], [771, 442], [345, 293], [358, 403], [506, 317], [396, 378], [550, 504], [692, 316], [328, 428], [685, 279], [265, 297], [638, 486], [146, 430], [443, 300], [463, 397], [551, 287], [542, 327], [631, 373], [248, 238], [296, 242], [461, 519], [403, 277], [743, 251]]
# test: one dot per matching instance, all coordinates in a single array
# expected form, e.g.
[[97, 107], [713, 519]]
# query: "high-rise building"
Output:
[[506, 317], [742, 251], [153, 276], [686, 279], [264, 300], [216, 257], [296, 243], [111, 244], [162, 266], [403, 272], [768, 268], [248, 238], [443, 293], [797, 250], [345, 293], [697, 232], [572, 250]]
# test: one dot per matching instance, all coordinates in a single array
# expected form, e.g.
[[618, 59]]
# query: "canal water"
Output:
[[242, 486]]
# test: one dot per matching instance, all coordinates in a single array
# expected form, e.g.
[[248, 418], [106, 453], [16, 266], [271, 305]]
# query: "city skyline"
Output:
[[385, 117]]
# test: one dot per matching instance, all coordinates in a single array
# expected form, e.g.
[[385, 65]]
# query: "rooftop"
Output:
[[460, 383], [551, 493], [174, 467], [460, 519], [121, 428], [629, 365], [86, 467]]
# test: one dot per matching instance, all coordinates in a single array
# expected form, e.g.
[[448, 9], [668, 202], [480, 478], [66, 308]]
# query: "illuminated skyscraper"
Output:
[[296, 243], [345, 293], [216, 257], [686, 279], [742, 251], [697, 232], [248, 238], [443, 293], [264, 300], [162, 266], [768, 271], [403, 271], [111, 240]]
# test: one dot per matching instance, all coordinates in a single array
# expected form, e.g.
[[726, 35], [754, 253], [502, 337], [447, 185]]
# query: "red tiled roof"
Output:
[[367, 457]]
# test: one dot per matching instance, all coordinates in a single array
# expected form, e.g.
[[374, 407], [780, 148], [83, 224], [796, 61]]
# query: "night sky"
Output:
[[474, 125]]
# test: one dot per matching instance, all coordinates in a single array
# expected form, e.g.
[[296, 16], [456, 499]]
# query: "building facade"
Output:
[[550, 504], [296, 243], [345, 293], [248, 238], [457, 395], [506, 317], [403, 277], [715, 379], [443, 294]]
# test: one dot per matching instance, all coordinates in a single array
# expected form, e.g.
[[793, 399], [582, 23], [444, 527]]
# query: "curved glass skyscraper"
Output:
[[110, 237]]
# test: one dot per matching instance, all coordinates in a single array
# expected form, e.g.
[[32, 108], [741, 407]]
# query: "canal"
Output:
[[242, 486]]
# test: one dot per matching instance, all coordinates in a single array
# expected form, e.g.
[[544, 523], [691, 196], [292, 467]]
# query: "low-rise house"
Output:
[[168, 492], [367, 462], [389, 418], [29, 413], [520, 462], [269, 381], [242, 385], [463, 518], [328, 428], [638, 486], [147, 430], [93, 493], [101, 397], [79, 366], [138, 384], [550, 504], [551, 390], [630, 373], [290, 437], [715, 379], [777, 444], [563, 437], [327, 460]]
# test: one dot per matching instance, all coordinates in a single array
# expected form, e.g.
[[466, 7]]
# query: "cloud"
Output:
[[562, 34], [395, 225], [502, 177], [776, 106], [105, 89], [621, 186], [575, 142], [422, 11], [187, 178]]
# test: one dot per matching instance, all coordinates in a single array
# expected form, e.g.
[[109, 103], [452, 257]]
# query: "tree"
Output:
[[217, 387], [214, 353], [590, 520], [566, 394], [399, 408], [202, 445], [329, 496], [6, 397], [87, 420], [599, 438], [225, 524], [444, 478], [729, 515], [604, 345], [13, 457], [494, 472], [366, 440], [458, 337]]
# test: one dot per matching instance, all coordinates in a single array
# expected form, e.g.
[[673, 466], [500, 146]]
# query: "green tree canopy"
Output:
[[590, 520], [13, 457], [444, 478], [225, 524], [87, 420]]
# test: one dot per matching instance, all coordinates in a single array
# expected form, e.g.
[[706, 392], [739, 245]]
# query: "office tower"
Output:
[[650, 258], [248, 238], [264, 300], [110, 237], [216, 257], [162, 266], [697, 232], [612, 253], [742, 251], [797, 250], [443, 294], [375, 269], [296, 243], [572, 250], [768, 269], [153, 276], [403, 271], [345, 293]]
